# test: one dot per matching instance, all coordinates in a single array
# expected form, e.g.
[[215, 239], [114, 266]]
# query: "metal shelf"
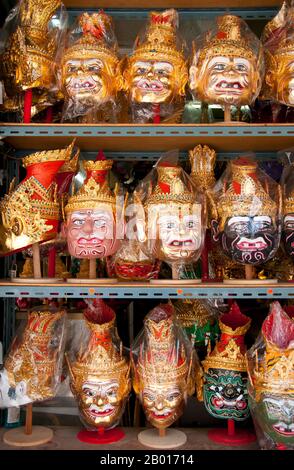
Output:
[[238, 4], [145, 290], [151, 138]]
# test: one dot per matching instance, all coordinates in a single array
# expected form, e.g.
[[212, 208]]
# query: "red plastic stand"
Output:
[[101, 436], [49, 115], [281, 447], [51, 261], [27, 106], [156, 113], [230, 436], [204, 259]]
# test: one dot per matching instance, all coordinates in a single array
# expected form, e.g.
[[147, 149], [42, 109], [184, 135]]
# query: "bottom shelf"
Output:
[[64, 438]]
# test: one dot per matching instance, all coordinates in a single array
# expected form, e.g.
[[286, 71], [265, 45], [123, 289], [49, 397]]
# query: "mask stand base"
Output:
[[163, 438], [92, 277], [37, 279], [101, 436], [29, 435], [175, 279], [249, 278], [231, 436]]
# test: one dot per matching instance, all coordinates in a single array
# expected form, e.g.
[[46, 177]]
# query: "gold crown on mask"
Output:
[[229, 40], [30, 45], [161, 363], [170, 187], [283, 21], [24, 215], [92, 194], [228, 356], [161, 40], [94, 41], [101, 359], [245, 195], [190, 311], [202, 160], [34, 360]]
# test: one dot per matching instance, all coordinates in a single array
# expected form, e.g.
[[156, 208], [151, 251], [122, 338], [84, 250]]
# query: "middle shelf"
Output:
[[145, 290], [149, 137]]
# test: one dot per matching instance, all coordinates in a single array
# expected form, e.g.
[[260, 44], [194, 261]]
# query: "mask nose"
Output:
[[230, 392], [88, 226], [159, 403]]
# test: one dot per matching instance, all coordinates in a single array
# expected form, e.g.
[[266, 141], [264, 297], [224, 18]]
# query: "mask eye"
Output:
[[78, 222], [191, 224], [93, 68], [241, 68], [219, 67], [141, 70]]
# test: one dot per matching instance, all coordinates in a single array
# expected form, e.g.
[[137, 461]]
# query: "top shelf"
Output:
[[171, 4]]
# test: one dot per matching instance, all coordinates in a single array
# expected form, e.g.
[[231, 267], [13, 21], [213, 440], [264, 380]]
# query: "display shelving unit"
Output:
[[126, 141]]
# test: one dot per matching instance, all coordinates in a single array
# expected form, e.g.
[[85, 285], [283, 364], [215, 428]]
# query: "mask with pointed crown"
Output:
[[174, 215], [227, 64], [32, 368], [270, 364], [90, 69], [30, 213], [199, 318], [247, 211], [288, 207], [100, 372], [156, 72], [223, 386], [90, 214], [29, 55], [162, 360], [278, 40]]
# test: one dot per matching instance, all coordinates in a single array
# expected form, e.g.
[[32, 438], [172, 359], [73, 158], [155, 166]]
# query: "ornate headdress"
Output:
[[202, 160], [271, 368], [29, 55], [102, 358], [95, 190], [30, 212], [96, 39], [170, 187], [191, 311], [245, 195], [162, 358], [229, 352], [228, 40], [34, 360]]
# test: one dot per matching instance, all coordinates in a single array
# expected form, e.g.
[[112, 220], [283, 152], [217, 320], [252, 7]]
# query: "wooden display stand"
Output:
[[162, 438], [249, 278], [29, 435], [92, 276], [175, 279]]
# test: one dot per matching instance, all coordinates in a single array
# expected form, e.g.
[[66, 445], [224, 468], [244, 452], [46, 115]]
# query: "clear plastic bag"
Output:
[[270, 363], [247, 216], [223, 386], [171, 214], [227, 64], [99, 369], [163, 363], [32, 368], [90, 74], [156, 74], [287, 183], [32, 33], [278, 41]]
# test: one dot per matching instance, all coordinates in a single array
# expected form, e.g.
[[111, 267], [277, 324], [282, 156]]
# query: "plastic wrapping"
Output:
[[99, 369], [223, 386], [33, 365], [270, 363], [30, 212], [156, 74], [199, 318], [287, 183], [28, 45], [171, 214], [247, 218], [227, 64], [90, 75], [93, 214], [131, 262], [278, 40], [163, 364]]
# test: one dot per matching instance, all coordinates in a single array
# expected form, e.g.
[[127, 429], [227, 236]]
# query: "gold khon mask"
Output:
[[100, 374], [278, 39], [162, 371], [90, 71], [227, 67], [157, 72], [28, 59]]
